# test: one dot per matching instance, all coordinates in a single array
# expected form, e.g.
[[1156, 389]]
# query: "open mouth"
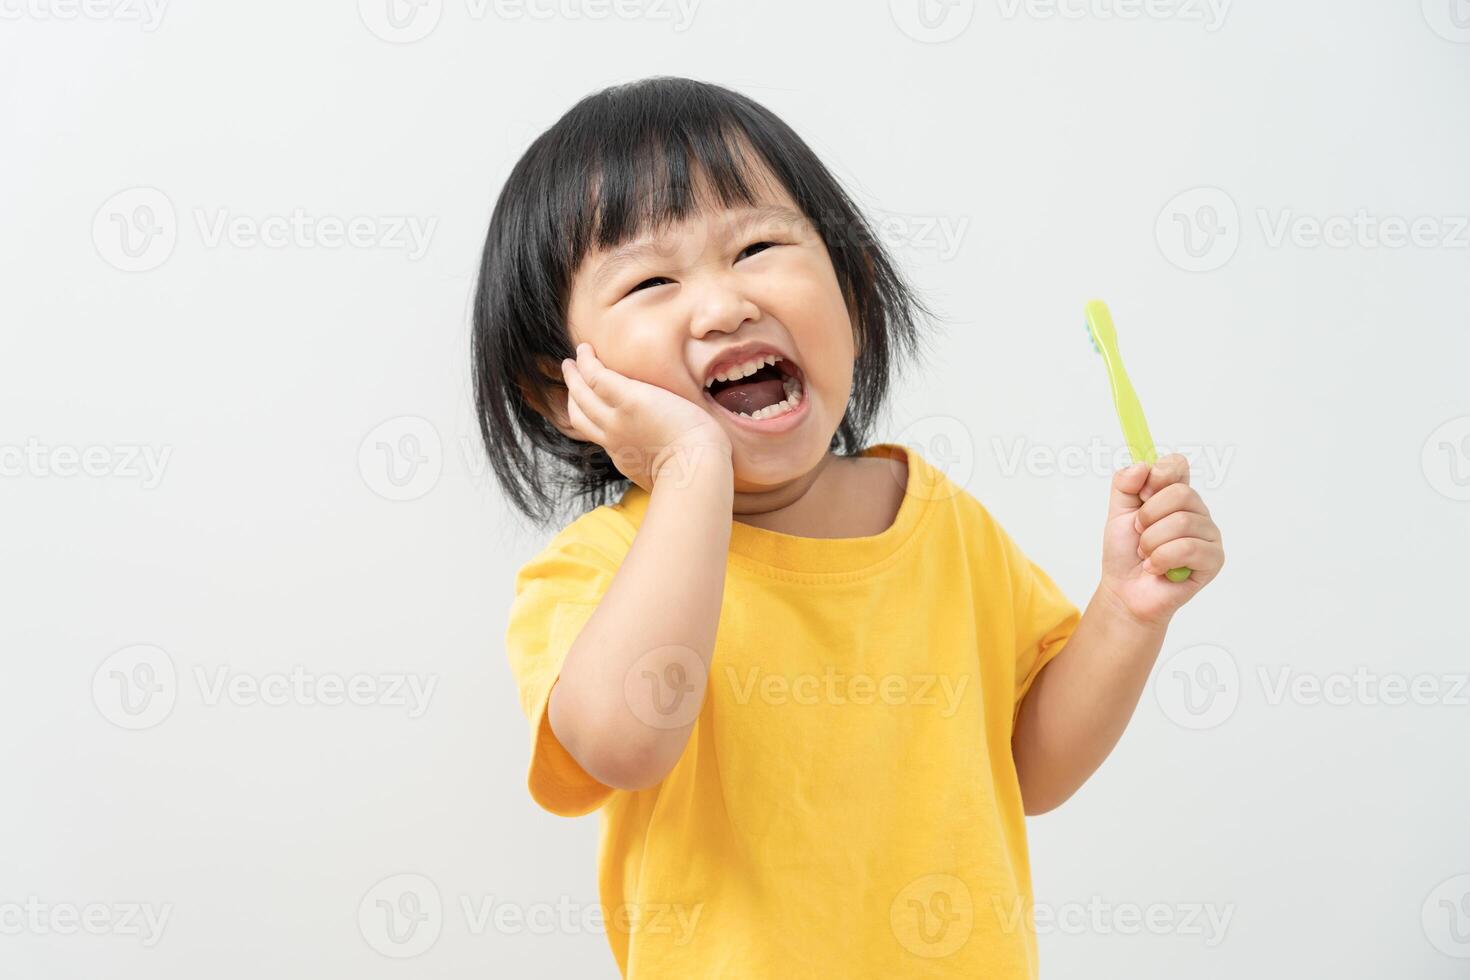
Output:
[[765, 387]]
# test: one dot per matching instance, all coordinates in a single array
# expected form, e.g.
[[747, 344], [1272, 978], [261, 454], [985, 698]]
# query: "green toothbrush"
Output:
[[1130, 413]]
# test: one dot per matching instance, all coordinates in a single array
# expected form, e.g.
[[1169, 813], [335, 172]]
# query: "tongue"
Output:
[[751, 396]]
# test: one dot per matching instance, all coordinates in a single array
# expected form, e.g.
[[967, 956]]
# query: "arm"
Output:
[[657, 621], [1079, 704], [1081, 701]]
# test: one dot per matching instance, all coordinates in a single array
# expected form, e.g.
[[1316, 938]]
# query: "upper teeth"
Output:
[[743, 370]]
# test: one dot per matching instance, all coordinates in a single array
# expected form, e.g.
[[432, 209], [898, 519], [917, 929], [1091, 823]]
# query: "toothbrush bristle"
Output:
[[1090, 338]]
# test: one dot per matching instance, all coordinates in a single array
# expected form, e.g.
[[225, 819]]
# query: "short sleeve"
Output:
[[555, 594], [1044, 619]]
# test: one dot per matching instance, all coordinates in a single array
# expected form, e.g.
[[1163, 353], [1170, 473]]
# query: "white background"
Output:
[[1020, 158]]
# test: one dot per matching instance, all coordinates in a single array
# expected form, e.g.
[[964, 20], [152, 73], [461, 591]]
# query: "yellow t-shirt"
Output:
[[847, 804]]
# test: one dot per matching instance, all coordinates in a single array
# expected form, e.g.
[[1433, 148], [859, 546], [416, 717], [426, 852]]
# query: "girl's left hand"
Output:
[[1157, 521]]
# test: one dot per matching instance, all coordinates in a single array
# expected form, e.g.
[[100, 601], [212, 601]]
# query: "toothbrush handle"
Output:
[[1125, 399], [1140, 442]]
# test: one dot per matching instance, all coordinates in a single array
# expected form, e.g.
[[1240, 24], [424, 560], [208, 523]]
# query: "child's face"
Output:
[[666, 315]]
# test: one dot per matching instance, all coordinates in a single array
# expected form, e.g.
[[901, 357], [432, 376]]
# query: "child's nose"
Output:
[[720, 307]]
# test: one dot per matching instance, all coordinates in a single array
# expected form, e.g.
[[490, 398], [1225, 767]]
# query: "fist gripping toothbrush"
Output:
[[1130, 413]]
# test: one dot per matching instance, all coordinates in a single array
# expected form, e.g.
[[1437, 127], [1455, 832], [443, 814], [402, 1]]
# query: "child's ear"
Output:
[[549, 397]]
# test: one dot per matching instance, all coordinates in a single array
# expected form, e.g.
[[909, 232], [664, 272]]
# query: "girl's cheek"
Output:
[[650, 356], [816, 314]]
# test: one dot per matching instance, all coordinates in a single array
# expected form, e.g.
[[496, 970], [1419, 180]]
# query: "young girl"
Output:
[[811, 684]]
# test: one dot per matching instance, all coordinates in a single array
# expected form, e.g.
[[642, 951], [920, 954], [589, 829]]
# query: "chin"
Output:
[[762, 468]]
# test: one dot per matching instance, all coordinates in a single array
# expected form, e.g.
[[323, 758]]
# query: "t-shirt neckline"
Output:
[[762, 549]]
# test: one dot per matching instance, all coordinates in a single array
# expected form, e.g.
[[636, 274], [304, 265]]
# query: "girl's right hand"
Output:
[[647, 431]]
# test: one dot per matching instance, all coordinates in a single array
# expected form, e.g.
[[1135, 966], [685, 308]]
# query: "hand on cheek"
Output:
[[640, 426]]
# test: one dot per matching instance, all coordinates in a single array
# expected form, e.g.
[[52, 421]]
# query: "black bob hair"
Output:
[[619, 163]]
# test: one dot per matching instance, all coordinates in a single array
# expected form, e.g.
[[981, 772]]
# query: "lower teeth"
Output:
[[792, 399]]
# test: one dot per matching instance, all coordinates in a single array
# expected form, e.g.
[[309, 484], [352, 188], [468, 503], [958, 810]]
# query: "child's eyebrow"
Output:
[[632, 251]]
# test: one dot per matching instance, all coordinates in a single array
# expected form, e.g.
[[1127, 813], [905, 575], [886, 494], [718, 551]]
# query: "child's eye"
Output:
[[758, 245], [647, 282], [659, 280]]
